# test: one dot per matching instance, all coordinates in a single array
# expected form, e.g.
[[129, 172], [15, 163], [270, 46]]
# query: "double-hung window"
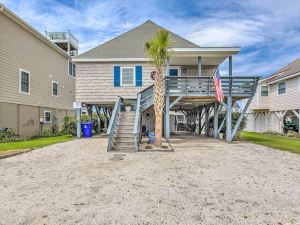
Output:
[[264, 91], [127, 76], [47, 116], [281, 88], [72, 69], [24, 86], [54, 88]]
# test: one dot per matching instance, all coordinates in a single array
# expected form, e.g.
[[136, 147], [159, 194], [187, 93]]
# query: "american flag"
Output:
[[218, 86]]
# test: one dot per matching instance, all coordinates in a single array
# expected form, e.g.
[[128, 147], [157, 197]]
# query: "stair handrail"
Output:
[[113, 122], [149, 96], [137, 119]]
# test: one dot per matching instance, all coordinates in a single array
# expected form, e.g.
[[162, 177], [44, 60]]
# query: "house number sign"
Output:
[[152, 75]]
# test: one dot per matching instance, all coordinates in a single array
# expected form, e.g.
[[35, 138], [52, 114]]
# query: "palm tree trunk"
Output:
[[158, 105]]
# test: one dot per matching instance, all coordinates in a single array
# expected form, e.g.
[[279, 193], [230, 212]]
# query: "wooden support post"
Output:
[[229, 105], [167, 118], [78, 122], [98, 110], [216, 117], [90, 112], [207, 120], [199, 66]]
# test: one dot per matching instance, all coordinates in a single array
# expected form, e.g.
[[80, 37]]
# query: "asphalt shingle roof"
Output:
[[131, 44], [288, 70]]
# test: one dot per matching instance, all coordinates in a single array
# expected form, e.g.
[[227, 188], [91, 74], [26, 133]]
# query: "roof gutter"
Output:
[[110, 59], [284, 78], [205, 51]]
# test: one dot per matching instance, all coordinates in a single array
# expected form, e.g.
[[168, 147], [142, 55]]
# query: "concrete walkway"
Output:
[[203, 182]]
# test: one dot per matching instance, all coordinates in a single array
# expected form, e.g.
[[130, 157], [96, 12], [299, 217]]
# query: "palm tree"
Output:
[[156, 49]]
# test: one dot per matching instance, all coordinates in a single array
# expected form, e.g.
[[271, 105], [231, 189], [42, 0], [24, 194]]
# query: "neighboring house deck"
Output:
[[37, 89], [118, 70], [277, 101]]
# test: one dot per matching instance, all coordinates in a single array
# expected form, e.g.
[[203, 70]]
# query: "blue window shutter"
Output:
[[117, 76], [138, 76]]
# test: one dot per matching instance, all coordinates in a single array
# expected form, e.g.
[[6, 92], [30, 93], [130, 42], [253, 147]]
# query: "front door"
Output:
[[175, 71]]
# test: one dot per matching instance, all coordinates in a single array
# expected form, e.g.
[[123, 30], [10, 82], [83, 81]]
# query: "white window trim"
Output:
[[20, 78], [134, 76], [265, 85], [54, 82], [45, 111], [68, 69], [176, 67], [278, 88]]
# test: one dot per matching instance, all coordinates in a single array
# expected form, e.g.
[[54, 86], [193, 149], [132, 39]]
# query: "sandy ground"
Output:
[[203, 182]]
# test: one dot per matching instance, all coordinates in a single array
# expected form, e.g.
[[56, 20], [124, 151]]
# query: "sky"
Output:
[[267, 30]]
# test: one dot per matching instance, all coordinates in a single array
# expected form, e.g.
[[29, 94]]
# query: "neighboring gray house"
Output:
[[37, 89], [277, 101], [118, 70]]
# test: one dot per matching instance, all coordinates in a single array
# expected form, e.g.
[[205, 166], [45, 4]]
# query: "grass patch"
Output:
[[34, 143], [273, 141]]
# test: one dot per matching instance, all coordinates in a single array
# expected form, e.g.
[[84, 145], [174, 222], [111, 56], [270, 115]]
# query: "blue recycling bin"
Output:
[[87, 129], [151, 137]]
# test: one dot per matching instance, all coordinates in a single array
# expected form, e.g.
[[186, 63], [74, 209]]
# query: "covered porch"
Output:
[[194, 93]]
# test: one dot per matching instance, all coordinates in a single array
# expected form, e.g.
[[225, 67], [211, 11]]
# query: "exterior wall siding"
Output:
[[262, 123], [274, 102], [21, 49], [95, 81], [25, 119]]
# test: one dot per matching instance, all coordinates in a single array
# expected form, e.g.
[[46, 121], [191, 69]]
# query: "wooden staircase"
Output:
[[123, 139]]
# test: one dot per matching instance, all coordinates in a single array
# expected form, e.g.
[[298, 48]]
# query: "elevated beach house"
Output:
[[118, 72], [37, 77], [276, 104]]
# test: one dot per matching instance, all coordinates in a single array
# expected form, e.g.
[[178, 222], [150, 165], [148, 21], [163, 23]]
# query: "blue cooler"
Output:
[[87, 129], [151, 137]]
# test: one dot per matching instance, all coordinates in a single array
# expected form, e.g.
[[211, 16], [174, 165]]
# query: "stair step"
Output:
[[125, 124], [123, 135], [123, 149], [124, 138], [128, 113], [126, 118], [124, 130], [123, 143]]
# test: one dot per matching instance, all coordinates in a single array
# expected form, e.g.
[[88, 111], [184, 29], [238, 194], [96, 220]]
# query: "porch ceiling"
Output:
[[209, 55], [180, 60], [190, 102]]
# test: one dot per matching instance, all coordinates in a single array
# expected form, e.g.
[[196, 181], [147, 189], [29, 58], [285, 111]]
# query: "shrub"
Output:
[[69, 125], [235, 117], [9, 135], [293, 134]]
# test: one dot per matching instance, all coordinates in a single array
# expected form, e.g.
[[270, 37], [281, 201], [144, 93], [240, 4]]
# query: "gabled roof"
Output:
[[131, 44], [286, 72], [31, 29]]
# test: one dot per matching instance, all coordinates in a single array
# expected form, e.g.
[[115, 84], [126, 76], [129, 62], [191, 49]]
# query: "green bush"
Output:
[[293, 134], [235, 117], [9, 135], [69, 125]]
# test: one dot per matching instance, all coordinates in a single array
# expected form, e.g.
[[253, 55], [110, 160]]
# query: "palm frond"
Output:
[[157, 48]]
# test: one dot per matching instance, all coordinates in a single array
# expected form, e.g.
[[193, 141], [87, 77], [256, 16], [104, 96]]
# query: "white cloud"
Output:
[[227, 33], [269, 29]]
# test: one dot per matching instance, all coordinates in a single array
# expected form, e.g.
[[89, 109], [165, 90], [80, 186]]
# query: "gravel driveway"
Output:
[[203, 182]]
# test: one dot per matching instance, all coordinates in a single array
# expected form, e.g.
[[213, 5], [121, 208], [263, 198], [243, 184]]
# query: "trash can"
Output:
[[151, 137], [87, 129]]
